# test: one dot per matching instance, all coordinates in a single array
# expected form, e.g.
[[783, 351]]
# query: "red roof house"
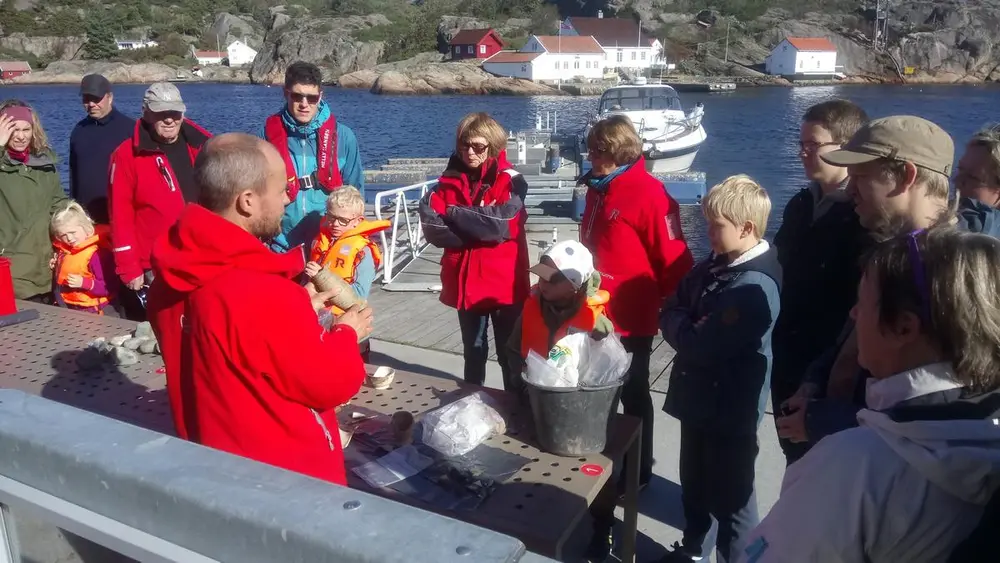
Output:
[[812, 44], [13, 69], [475, 44]]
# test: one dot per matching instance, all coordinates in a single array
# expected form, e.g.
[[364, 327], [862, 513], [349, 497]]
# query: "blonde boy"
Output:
[[82, 265], [343, 245], [719, 322]]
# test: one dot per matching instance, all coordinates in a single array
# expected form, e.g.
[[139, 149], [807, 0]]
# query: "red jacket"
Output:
[[480, 225], [633, 228], [249, 368], [143, 196]]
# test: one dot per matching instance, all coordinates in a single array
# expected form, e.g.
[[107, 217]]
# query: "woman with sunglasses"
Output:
[[911, 482], [29, 192], [476, 214]]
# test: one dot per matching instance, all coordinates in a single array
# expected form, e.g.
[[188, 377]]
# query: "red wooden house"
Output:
[[475, 44], [13, 69]]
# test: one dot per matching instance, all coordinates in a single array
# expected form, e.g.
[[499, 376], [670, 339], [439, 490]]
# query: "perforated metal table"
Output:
[[541, 504]]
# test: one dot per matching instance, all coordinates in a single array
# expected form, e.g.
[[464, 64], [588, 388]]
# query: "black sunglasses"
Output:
[[312, 99], [478, 148]]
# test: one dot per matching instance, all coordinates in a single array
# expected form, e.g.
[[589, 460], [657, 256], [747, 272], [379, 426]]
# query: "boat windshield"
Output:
[[640, 99]]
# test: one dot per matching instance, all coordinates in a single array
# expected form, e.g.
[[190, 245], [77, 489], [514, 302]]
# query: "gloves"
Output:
[[593, 284], [602, 328]]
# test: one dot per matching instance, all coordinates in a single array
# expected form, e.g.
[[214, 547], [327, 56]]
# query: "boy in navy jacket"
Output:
[[719, 322]]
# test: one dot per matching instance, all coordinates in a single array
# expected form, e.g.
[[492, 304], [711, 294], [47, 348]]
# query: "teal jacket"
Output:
[[300, 224]]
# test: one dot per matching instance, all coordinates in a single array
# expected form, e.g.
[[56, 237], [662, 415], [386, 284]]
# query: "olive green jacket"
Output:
[[29, 193]]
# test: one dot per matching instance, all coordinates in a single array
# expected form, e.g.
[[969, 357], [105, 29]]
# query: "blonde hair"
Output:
[[346, 197], [39, 141], [480, 124], [616, 137], [72, 213], [739, 199], [956, 296]]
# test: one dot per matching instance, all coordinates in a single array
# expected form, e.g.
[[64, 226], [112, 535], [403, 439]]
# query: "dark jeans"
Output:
[[717, 482], [781, 391], [476, 347], [636, 400]]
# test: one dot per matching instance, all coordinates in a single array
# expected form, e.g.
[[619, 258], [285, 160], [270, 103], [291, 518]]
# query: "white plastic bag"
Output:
[[562, 367], [459, 427], [607, 362]]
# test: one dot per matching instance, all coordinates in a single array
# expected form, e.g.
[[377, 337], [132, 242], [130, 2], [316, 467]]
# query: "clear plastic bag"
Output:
[[607, 362], [459, 427], [562, 367]]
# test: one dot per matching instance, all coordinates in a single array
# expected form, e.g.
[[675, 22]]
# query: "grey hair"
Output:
[[963, 292], [989, 138], [227, 166]]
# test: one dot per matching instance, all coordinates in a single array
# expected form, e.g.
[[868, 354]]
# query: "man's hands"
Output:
[[361, 320], [792, 426], [312, 268], [322, 300], [135, 285]]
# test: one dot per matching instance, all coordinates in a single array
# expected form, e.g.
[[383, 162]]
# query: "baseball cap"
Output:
[[95, 85], [569, 258], [899, 137], [163, 96]]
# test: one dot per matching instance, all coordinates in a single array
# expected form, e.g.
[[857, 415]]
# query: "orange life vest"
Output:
[[535, 333], [76, 260], [341, 256]]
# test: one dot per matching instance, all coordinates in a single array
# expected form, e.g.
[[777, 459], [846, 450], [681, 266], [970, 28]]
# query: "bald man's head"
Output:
[[243, 178]]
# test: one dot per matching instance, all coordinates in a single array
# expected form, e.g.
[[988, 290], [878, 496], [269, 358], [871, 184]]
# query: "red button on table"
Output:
[[591, 469]]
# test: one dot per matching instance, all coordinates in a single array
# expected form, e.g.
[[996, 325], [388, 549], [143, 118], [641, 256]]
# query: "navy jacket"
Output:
[[723, 364], [825, 417], [90, 146]]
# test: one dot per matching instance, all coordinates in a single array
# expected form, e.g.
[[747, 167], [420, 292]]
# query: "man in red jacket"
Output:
[[151, 178], [633, 228], [249, 368]]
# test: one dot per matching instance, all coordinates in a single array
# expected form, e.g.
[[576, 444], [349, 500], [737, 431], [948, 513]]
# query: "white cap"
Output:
[[569, 258]]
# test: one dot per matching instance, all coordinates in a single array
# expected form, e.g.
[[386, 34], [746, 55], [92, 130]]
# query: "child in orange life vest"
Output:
[[567, 299], [344, 246], [83, 265]]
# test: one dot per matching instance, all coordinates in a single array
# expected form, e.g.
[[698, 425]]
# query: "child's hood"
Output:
[[202, 246]]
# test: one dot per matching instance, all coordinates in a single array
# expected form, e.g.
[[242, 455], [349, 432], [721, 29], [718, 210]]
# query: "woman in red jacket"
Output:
[[476, 214], [633, 228]]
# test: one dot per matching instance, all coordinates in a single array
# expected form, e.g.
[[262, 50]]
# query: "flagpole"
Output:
[[559, 48]]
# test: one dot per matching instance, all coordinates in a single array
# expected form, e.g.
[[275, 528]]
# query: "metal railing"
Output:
[[140, 494], [405, 241]]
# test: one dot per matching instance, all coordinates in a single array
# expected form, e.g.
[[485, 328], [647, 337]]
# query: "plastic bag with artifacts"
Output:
[[459, 427]]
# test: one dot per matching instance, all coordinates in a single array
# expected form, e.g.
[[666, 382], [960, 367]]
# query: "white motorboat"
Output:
[[670, 135]]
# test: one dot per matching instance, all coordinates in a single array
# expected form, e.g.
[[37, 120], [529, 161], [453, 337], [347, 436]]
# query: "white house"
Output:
[[551, 58], [625, 44], [803, 56], [131, 45], [206, 58], [240, 54]]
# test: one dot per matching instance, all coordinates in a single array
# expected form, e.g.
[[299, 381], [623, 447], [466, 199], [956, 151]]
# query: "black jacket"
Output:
[[820, 261]]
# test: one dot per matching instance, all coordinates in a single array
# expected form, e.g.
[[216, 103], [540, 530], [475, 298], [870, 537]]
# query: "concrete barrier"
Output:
[[151, 497]]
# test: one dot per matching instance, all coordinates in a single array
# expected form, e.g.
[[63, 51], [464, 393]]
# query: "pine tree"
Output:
[[100, 43]]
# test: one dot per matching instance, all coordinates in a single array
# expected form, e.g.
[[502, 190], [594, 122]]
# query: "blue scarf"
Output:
[[296, 129], [601, 183]]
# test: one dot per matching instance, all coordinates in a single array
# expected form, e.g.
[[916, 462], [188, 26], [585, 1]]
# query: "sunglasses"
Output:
[[312, 99], [89, 99], [919, 275], [478, 148]]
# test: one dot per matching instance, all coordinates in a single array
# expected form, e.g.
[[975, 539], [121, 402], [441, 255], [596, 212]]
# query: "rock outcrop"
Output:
[[229, 28], [59, 48], [71, 72], [421, 77], [326, 42]]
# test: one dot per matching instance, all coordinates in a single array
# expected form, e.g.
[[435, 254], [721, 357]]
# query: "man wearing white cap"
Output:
[[150, 179]]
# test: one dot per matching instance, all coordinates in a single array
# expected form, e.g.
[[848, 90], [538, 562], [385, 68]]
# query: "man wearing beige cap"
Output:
[[899, 168], [150, 179]]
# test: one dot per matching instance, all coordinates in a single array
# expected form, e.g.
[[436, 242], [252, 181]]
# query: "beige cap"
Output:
[[163, 96], [899, 137]]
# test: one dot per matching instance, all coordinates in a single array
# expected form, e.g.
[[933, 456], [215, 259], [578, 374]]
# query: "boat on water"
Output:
[[670, 135]]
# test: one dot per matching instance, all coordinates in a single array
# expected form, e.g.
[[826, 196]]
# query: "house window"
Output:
[[785, 48], [557, 65], [633, 55], [482, 49], [621, 55], [524, 68], [471, 49], [565, 65], [643, 55], [576, 65], [458, 49]]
